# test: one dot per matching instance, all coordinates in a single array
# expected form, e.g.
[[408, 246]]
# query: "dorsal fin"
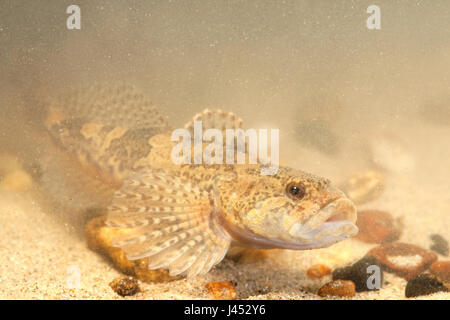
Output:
[[239, 146], [106, 127], [222, 121], [109, 104], [98, 134], [215, 119]]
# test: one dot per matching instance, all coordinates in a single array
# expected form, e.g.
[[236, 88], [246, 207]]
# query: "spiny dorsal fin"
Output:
[[222, 121], [171, 223], [215, 119]]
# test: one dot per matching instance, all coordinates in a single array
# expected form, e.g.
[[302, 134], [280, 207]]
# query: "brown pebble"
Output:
[[99, 238], [125, 286], [318, 271], [441, 269], [403, 259], [340, 288], [377, 227], [223, 290]]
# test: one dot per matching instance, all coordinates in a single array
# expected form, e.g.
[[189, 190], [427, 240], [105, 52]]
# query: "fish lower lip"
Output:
[[333, 228], [336, 219], [327, 229]]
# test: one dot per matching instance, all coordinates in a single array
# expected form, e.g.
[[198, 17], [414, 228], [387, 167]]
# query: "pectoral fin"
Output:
[[171, 223]]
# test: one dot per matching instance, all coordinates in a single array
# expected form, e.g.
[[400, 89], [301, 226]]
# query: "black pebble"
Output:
[[358, 273], [440, 245], [422, 285]]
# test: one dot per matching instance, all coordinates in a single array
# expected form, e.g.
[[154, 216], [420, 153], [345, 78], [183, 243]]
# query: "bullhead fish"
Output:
[[110, 148]]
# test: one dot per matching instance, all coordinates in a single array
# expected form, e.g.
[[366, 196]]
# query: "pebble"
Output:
[[377, 227], [340, 288], [422, 285], [223, 290], [364, 187], [358, 273], [441, 269], [125, 286], [403, 259], [439, 245], [318, 271], [99, 238]]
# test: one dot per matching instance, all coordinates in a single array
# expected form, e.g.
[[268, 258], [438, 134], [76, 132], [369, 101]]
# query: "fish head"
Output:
[[292, 210]]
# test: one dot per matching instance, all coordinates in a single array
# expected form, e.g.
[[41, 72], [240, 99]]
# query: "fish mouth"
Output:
[[333, 223]]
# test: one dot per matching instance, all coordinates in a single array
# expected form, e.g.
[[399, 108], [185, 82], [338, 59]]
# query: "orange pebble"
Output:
[[441, 269], [318, 271], [340, 288], [223, 290]]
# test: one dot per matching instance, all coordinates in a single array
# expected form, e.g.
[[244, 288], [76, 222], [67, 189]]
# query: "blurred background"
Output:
[[275, 64]]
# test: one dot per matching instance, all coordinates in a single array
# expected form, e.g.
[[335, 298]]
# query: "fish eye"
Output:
[[295, 190]]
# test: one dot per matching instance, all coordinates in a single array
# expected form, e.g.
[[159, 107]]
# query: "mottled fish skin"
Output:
[[184, 217], [93, 140]]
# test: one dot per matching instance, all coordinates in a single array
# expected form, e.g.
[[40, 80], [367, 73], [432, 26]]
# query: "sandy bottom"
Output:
[[40, 254]]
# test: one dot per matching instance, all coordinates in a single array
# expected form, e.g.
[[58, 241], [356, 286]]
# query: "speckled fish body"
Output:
[[182, 217]]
